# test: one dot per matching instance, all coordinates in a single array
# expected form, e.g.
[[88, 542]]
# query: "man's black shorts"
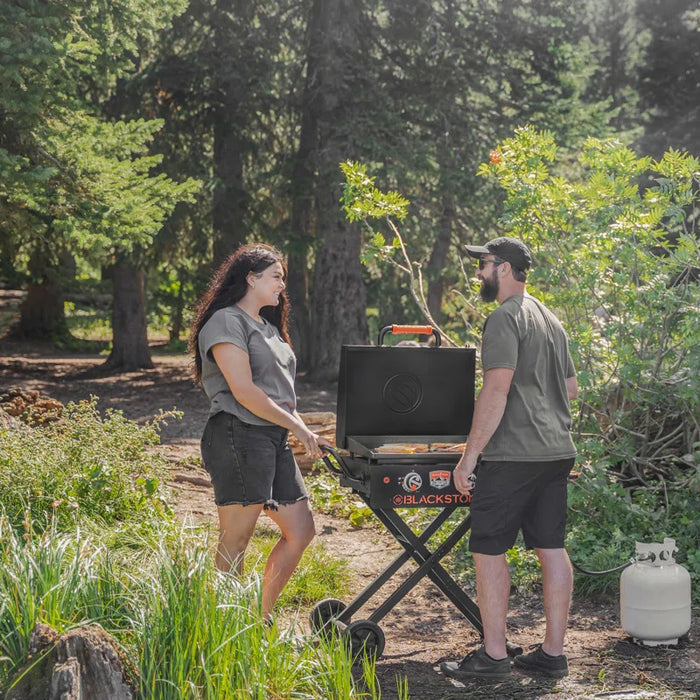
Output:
[[509, 496], [250, 464]]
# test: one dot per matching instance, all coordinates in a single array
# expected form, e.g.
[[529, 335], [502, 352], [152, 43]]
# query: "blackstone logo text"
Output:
[[431, 499]]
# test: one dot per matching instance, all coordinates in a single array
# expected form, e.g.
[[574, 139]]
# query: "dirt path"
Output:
[[424, 628]]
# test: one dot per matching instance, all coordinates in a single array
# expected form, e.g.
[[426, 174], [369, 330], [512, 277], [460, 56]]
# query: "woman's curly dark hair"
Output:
[[229, 285]]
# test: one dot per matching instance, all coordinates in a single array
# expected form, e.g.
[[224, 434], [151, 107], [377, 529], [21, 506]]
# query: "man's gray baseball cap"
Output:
[[511, 250]]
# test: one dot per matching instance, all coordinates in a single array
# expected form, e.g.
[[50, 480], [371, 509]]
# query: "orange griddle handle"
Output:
[[421, 330], [417, 330]]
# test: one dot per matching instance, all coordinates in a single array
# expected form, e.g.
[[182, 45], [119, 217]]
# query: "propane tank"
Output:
[[655, 595]]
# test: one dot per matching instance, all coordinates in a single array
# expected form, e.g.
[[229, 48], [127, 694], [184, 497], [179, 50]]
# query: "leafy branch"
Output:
[[363, 201]]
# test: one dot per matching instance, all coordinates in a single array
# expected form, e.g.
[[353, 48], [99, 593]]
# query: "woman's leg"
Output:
[[297, 528], [236, 525]]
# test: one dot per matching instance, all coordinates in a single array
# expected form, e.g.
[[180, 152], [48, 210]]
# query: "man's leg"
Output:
[[492, 591], [557, 585]]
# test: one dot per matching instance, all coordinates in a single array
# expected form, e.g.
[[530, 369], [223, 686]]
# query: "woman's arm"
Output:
[[234, 364]]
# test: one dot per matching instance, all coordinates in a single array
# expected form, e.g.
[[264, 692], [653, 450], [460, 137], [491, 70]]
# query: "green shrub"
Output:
[[327, 496], [614, 238], [606, 519], [617, 255], [82, 467]]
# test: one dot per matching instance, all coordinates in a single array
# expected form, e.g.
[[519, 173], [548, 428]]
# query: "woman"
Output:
[[245, 363]]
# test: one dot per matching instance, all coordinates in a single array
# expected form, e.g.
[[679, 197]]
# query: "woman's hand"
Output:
[[310, 441]]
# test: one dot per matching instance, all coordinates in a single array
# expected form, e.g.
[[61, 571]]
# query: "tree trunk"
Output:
[[42, 314], [438, 256], [230, 84], [338, 301], [298, 294], [302, 230], [228, 208], [129, 335], [338, 296]]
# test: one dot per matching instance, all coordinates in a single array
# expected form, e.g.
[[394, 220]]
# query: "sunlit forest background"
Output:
[[141, 142]]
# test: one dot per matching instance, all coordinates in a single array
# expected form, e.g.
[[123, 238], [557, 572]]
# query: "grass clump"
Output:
[[57, 578], [317, 573], [188, 630]]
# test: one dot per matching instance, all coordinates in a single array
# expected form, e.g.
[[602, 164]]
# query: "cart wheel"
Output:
[[325, 612], [365, 637]]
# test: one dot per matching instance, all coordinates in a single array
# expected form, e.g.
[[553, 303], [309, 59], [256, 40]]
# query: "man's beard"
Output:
[[489, 288]]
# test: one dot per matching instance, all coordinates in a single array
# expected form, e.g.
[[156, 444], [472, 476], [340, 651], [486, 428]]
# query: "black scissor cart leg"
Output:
[[333, 615], [366, 634]]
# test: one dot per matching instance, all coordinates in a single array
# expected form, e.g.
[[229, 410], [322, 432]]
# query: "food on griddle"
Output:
[[448, 446], [401, 448], [418, 447]]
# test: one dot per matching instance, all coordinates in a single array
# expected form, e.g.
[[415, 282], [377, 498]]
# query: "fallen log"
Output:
[[196, 480]]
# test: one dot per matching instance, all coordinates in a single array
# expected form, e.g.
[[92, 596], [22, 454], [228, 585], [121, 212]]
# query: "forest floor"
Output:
[[424, 628]]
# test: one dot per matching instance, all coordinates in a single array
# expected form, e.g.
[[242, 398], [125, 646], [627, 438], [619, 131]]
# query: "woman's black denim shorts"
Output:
[[250, 464]]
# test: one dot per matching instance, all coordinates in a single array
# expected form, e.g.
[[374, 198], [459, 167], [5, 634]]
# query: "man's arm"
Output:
[[488, 412], [572, 387]]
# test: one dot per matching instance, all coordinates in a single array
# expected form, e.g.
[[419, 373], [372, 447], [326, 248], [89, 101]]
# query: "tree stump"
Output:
[[65, 681], [83, 664]]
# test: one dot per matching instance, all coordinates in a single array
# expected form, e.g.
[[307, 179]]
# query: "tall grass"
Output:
[[218, 648], [189, 630], [59, 579]]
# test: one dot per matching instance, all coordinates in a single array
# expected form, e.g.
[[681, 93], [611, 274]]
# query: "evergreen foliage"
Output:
[[253, 98], [71, 181]]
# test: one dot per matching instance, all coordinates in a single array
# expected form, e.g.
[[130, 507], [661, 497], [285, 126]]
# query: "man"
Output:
[[521, 429]]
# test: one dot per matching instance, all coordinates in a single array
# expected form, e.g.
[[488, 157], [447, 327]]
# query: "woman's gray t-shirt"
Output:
[[272, 362]]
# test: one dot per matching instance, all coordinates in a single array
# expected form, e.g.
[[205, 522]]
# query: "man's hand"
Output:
[[463, 475]]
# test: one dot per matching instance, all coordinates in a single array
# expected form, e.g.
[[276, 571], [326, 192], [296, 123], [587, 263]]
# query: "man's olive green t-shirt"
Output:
[[523, 335], [272, 362]]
